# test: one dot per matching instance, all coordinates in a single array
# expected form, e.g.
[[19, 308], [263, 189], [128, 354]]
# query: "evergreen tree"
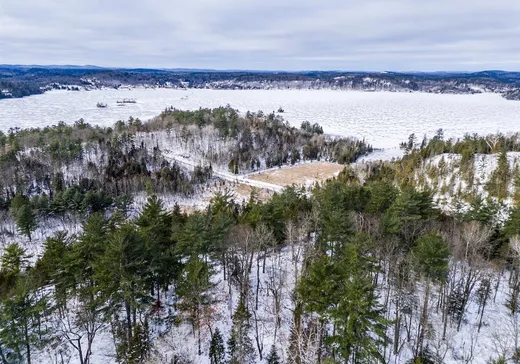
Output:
[[516, 184], [341, 288], [69, 264], [217, 351], [273, 357], [26, 220], [382, 195], [194, 237], [13, 262], [194, 292], [52, 266], [334, 220], [122, 277], [498, 183], [140, 345], [90, 247], [240, 347], [512, 225], [155, 227], [231, 349], [431, 254], [17, 203], [22, 306], [481, 210], [412, 141], [410, 210]]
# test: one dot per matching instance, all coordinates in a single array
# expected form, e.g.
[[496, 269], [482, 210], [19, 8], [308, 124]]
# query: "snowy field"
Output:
[[383, 118]]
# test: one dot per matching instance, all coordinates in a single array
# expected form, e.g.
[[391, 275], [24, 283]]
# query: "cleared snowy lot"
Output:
[[303, 174]]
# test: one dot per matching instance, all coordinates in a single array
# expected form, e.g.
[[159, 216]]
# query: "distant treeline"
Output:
[[258, 136], [19, 81]]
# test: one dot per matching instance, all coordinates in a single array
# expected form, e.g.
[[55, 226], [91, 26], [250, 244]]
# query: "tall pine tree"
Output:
[[26, 220], [217, 350], [240, 347], [341, 290], [155, 227], [273, 357], [194, 292], [431, 254]]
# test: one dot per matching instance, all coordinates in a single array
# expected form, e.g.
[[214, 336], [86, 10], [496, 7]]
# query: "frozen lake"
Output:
[[383, 118]]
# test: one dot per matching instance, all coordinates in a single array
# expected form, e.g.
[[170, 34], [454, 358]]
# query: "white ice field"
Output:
[[383, 118]]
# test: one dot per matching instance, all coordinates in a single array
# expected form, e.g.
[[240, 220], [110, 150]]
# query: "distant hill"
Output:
[[23, 80]]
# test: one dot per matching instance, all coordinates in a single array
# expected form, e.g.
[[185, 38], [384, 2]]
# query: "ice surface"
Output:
[[383, 118]]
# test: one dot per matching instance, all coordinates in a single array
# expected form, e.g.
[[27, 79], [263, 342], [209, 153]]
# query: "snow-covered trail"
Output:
[[244, 180], [227, 176]]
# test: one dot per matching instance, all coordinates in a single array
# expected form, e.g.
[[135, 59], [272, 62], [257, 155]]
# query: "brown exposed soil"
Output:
[[303, 174]]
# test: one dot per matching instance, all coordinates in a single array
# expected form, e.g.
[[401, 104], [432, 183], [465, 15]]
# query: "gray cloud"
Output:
[[264, 34]]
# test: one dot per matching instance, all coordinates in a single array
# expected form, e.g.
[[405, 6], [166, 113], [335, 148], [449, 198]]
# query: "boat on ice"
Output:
[[126, 101]]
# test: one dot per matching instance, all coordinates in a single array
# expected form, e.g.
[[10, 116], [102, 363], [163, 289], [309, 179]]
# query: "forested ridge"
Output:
[[364, 268], [82, 168], [20, 81], [473, 171], [362, 250]]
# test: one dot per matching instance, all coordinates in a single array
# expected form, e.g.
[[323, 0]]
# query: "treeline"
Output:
[[81, 169], [468, 146], [459, 164], [30, 80], [118, 161], [18, 89], [56, 165], [372, 263], [258, 138]]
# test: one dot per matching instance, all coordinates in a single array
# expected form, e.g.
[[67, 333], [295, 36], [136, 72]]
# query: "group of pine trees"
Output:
[[81, 168], [76, 168], [469, 145], [371, 259], [365, 248], [458, 167], [257, 137]]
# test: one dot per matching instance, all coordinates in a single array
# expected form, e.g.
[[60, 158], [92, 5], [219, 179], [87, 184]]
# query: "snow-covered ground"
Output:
[[383, 118], [496, 337], [451, 181], [382, 154]]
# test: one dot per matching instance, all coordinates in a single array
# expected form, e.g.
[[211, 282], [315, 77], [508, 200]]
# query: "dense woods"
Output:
[[20, 81], [68, 162], [256, 140], [365, 268], [371, 262], [468, 146]]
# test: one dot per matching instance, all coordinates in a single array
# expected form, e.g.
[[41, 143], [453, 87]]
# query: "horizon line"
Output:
[[188, 69]]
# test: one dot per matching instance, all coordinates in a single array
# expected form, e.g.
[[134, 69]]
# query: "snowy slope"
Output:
[[449, 183], [497, 335]]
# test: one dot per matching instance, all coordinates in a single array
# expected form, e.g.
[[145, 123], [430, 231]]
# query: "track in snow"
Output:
[[230, 177]]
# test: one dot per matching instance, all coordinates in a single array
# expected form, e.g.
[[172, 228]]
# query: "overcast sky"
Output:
[[376, 35]]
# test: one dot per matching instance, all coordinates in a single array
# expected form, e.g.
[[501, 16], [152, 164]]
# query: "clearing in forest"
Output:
[[244, 191], [302, 174]]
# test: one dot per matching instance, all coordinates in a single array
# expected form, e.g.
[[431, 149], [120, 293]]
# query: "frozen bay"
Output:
[[383, 118]]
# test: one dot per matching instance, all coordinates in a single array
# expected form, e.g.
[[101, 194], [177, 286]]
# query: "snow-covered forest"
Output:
[[412, 261]]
